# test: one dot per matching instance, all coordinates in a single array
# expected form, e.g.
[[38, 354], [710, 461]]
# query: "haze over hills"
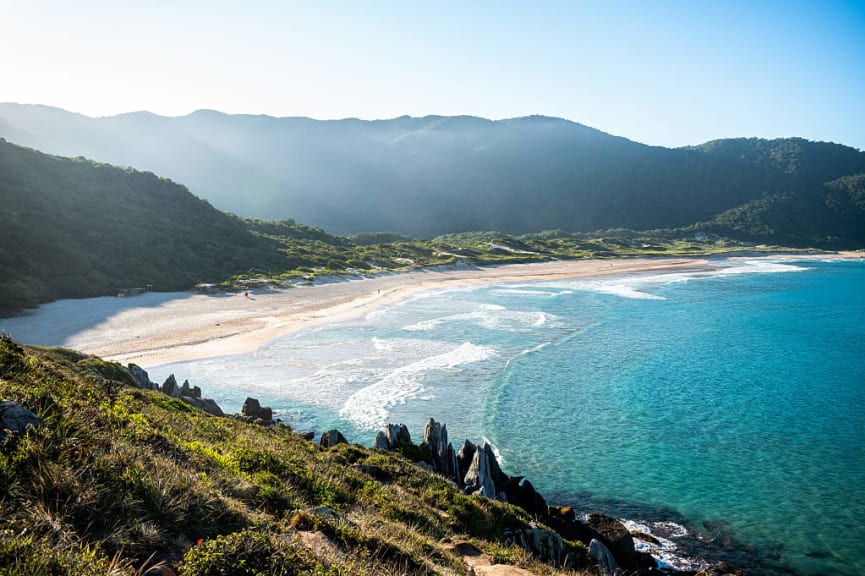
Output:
[[434, 175]]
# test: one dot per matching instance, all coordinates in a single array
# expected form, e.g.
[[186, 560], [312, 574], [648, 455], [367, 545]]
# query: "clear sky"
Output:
[[668, 73]]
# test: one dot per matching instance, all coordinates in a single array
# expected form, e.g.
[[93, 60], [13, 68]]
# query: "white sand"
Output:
[[159, 328]]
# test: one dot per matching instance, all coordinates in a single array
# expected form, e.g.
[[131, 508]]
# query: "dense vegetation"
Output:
[[74, 228], [423, 177], [119, 479]]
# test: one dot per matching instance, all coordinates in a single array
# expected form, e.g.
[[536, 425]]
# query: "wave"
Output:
[[491, 317], [368, 407]]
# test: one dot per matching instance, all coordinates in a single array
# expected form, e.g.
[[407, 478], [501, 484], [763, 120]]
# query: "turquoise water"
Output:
[[733, 398]]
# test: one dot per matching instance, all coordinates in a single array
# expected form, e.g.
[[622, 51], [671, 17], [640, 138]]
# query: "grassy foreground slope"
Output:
[[118, 480]]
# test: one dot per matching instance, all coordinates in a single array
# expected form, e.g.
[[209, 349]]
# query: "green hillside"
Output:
[[117, 480], [424, 177], [74, 228]]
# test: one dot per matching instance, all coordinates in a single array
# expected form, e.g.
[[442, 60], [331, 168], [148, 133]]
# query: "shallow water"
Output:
[[734, 398]]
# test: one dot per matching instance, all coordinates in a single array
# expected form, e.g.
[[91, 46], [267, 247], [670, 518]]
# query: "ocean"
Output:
[[723, 410]]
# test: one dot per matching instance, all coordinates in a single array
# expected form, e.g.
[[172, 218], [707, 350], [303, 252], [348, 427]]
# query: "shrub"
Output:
[[246, 553]]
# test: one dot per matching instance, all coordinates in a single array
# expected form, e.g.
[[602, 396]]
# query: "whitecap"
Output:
[[368, 407]]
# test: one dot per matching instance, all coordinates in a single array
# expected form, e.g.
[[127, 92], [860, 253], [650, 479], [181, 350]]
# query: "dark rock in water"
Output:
[[615, 537], [524, 495], [602, 557], [307, 435], [545, 545], [15, 419], [478, 480], [170, 387], [720, 569], [332, 438], [141, 376], [252, 408]]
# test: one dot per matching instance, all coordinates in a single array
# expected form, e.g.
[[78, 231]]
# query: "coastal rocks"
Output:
[[15, 419], [204, 404], [522, 493], [545, 545], [615, 537], [141, 376], [478, 480], [170, 388], [438, 451], [720, 569], [603, 559], [332, 438], [252, 408]]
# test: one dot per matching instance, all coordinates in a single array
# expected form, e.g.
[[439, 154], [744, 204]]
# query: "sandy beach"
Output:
[[156, 329]]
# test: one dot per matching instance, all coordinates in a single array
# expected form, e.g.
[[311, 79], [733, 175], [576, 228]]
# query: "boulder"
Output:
[[397, 434], [478, 480], [613, 534], [185, 390], [602, 557], [332, 438], [204, 404], [253, 409], [170, 387], [545, 545], [15, 419], [196, 392], [141, 376]]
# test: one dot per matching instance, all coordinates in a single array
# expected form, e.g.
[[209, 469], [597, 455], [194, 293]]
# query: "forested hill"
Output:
[[73, 228], [435, 175]]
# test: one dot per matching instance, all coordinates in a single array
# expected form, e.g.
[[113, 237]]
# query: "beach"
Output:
[[156, 329]]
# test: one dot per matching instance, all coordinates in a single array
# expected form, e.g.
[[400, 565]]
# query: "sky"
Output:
[[668, 73]]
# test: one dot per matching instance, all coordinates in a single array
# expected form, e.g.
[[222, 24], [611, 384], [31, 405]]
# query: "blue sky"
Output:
[[668, 73]]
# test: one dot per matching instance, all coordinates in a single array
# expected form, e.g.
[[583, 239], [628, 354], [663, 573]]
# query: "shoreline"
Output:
[[159, 328]]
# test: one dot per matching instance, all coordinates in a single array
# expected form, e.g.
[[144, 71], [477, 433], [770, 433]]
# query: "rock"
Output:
[[397, 434], [464, 459], [381, 441], [522, 493], [325, 512], [720, 569], [478, 480], [545, 545], [605, 561], [307, 435], [253, 409], [211, 407], [496, 473], [617, 539], [332, 438], [196, 392], [436, 448], [141, 376], [185, 390], [15, 419], [170, 387]]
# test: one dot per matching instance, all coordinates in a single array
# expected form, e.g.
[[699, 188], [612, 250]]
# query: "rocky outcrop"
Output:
[[15, 419], [720, 569], [478, 480], [204, 404], [170, 388], [253, 409], [332, 438], [545, 545], [613, 534], [438, 451], [603, 559], [141, 376]]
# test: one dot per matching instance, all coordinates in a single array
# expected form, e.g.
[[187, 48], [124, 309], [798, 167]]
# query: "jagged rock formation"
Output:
[[141, 376], [604, 560], [186, 393], [15, 419]]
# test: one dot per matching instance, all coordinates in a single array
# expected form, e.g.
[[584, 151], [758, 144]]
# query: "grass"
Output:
[[118, 480]]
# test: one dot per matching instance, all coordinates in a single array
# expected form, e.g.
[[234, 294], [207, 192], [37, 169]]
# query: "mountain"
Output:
[[435, 175], [74, 228]]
